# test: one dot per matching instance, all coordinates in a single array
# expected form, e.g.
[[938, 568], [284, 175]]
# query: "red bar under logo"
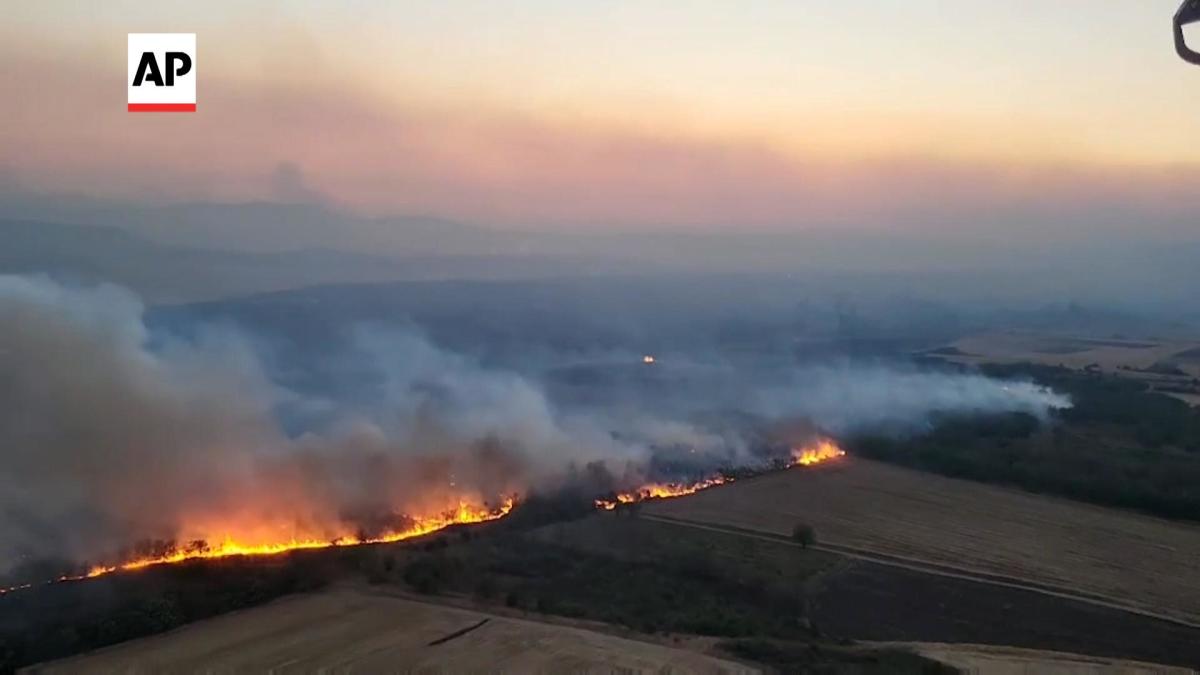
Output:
[[162, 107]]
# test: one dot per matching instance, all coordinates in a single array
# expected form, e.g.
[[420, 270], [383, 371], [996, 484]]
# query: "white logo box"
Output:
[[149, 95]]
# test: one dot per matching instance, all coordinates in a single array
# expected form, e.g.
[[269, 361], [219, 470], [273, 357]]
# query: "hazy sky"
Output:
[[634, 114]]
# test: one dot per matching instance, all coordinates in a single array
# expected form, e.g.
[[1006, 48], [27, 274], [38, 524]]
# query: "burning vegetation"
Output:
[[821, 450], [467, 512], [170, 552], [660, 491], [118, 432]]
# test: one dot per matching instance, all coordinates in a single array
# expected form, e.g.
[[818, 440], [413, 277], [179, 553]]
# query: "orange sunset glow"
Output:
[[783, 115]]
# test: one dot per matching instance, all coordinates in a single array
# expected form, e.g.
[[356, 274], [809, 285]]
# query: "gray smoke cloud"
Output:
[[110, 434], [851, 397]]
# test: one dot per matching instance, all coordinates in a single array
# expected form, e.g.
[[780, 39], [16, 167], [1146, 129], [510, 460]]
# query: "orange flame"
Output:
[[660, 491], [820, 451], [465, 513]]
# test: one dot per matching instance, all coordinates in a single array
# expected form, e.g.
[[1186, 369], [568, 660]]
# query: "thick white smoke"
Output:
[[851, 397], [110, 435], [108, 441]]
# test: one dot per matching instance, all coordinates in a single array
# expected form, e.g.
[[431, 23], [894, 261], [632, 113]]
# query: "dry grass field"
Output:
[[850, 597], [1131, 560], [1077, 352], [346, 631], [990, 660], [1140, 360]]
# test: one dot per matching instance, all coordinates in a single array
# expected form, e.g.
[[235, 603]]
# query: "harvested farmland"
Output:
[[1114, 556], [349, 631]]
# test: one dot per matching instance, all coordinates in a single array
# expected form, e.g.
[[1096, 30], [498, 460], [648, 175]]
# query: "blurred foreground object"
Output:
[[1189, 12]]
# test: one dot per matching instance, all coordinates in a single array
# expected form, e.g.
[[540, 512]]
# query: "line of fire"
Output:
[[467, 512]]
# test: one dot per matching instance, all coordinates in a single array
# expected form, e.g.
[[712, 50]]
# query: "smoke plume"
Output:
[[111, 433]]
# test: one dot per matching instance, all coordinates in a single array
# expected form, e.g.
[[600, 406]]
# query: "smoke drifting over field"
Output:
[[111, 434], [850, 398]]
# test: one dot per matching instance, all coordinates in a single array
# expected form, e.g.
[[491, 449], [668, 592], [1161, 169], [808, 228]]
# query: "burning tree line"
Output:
[[161, 552]]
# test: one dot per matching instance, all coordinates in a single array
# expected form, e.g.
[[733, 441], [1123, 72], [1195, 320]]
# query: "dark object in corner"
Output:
[[1189, 12]]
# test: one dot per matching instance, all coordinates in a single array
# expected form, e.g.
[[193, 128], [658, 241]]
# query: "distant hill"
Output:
[[164, 273], [265, 227], [209, 250], [271, 227]]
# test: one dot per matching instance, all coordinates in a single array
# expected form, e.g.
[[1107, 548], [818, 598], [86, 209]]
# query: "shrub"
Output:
[[804, 534]]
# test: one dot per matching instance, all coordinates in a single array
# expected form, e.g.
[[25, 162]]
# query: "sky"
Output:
[[630, 115]]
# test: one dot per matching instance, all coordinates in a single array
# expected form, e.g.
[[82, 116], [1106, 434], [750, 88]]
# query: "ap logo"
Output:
[[162, 72]]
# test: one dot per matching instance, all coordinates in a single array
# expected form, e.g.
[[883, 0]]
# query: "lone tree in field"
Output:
[[804, 534]]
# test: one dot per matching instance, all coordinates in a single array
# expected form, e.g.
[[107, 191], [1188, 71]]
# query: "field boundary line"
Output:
[[938, 569], [459, 633]]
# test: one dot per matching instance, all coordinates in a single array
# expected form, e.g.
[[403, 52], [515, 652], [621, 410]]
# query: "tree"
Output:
[[804, 534]]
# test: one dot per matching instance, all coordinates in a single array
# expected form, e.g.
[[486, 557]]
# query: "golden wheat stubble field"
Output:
[[347, 630], [1131, 560]]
